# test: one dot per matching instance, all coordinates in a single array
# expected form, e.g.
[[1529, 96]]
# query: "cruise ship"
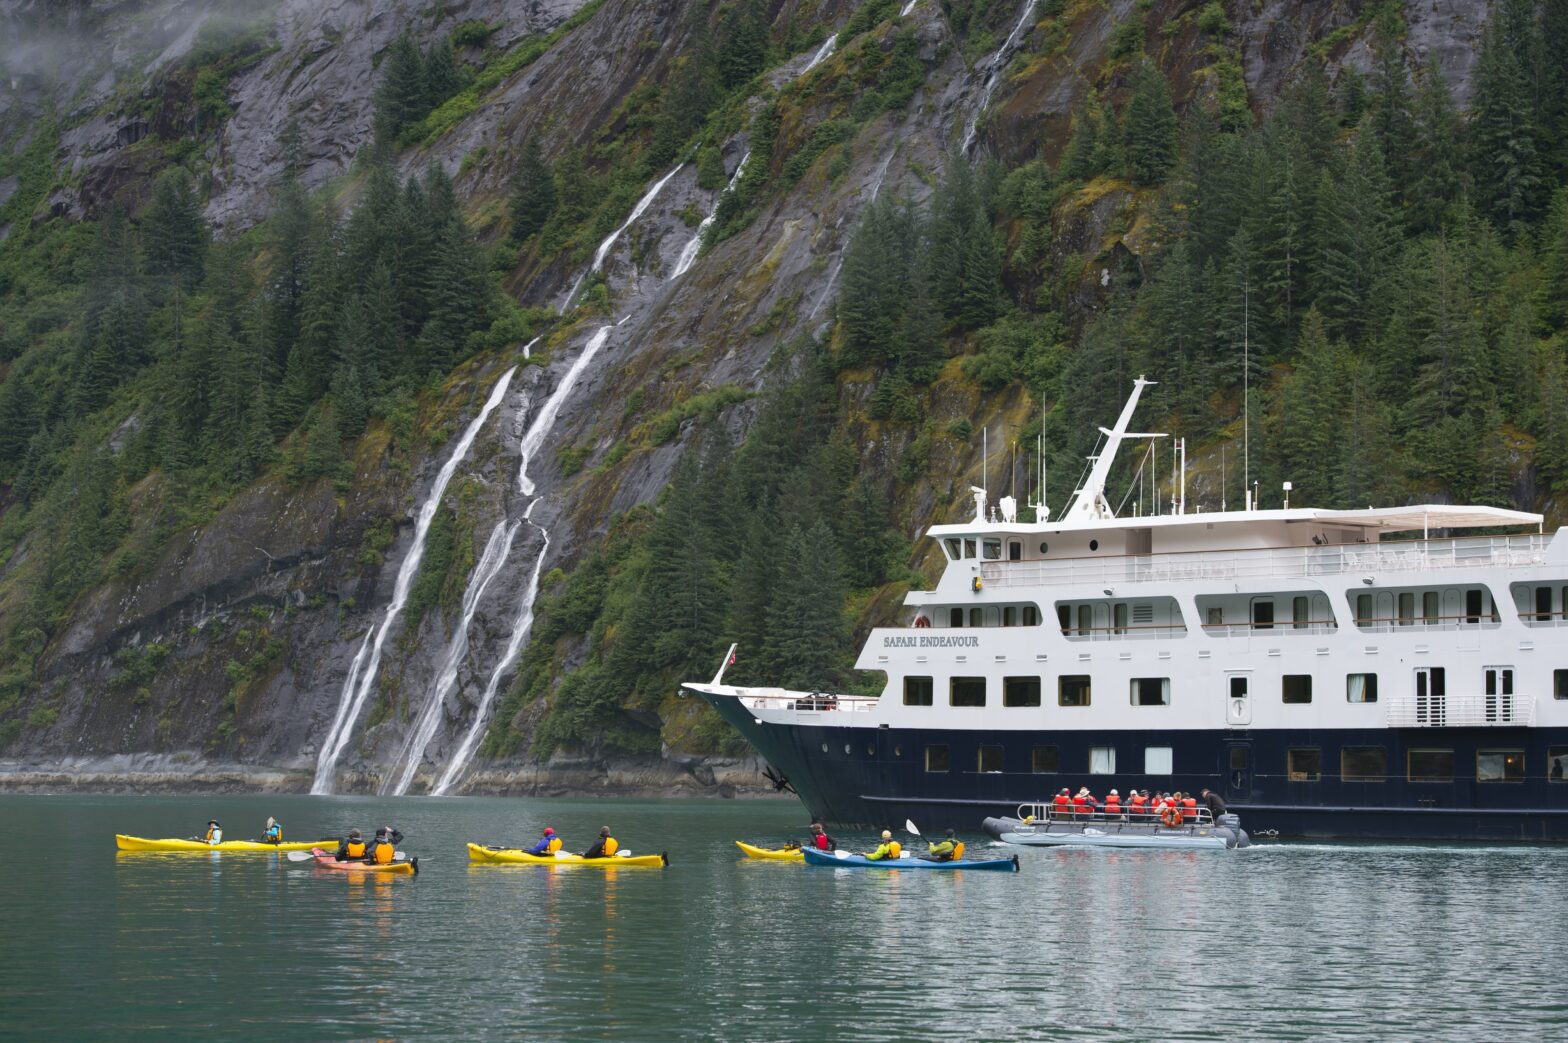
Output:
[[1368, 673]]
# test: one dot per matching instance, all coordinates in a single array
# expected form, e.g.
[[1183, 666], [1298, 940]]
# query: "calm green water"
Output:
[[1283, 942]]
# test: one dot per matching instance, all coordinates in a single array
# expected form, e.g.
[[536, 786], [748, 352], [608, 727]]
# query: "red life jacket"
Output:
[[1113, 805], [1060, 803], [821, 841], [1138, 801], [1189, 809], [1078, 805]]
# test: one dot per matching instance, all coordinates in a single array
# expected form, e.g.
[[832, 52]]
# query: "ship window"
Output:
[[1102, 760], [966, 691], [1094, 544], [1499, 766], [1044, 760], [1031, 616], [1157, 760], [1429, 612], [992, 549], [955, 549], [1543, 604], [1150, 691], [1363, 763], [1010, 615], [1363, 610], [1119, 617], [1045, 548], [1296, 688], [1300, 613], [1499, 704], [988, 759], [1556, 770], [1085, 619], [1473, 605], [1407, 608], [969, 548], [1431, 765], [1304, 765], [1560, 684], [1072, 690], [937, 758], [1064, 617], [1216, 616], [1020, 691], [976, 617], [1263, 614], [1361, 688], [1015, 551], [955, 617], [918, 691]]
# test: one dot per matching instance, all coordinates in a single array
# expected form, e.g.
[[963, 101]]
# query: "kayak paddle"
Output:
[[909, 827]]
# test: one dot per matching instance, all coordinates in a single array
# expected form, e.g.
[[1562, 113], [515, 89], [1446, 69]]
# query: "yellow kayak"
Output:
[[516, 856], [776, 854], [125, 843]]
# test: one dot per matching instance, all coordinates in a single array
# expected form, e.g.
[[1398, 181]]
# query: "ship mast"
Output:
[[1089, 502]]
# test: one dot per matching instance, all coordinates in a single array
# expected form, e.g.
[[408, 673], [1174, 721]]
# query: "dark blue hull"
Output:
[[876, 777]]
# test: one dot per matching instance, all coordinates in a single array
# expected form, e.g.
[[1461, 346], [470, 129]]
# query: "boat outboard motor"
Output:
[[1229, 825]]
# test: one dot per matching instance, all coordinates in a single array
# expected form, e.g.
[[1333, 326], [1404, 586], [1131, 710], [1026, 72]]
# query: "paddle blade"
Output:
[[909, 827], [623, 854], [300, 856]]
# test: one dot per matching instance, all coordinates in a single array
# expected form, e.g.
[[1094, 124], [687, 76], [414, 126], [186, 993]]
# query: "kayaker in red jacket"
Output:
[[820, 839]]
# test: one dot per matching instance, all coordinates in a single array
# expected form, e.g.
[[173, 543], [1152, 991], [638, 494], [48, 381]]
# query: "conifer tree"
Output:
[[532, 191], [806, 617], [1391, 111], [439, 73], [743, 43], [401, 96], [1503, 159], [1081, 158], [1150, 130], [1355, 236], [174, 233], [1437, 184]]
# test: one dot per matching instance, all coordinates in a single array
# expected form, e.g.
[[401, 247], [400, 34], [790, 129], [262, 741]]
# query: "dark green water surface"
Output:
[[1279, 942]]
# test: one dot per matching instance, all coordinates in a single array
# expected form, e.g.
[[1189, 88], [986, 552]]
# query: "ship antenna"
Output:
[[1246, 393], [1222, 477]]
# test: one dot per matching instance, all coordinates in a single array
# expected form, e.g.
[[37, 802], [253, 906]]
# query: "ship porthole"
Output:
[[824, 747], [1044, 547], [1094, 544], [846, 749]]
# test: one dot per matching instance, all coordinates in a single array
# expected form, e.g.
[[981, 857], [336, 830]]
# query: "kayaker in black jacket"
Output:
[[605, 847], [384, 847], [352, 848]]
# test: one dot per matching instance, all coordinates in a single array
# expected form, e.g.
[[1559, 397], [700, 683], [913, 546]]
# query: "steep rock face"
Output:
[[229, 663]]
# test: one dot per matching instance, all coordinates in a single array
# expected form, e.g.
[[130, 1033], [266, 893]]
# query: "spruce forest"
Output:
[[1380, 268]]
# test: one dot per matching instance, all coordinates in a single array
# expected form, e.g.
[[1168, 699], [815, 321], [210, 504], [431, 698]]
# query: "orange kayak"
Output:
[[327, 860]]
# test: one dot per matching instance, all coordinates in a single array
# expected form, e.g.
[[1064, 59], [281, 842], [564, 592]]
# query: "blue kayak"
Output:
[[845, 860]]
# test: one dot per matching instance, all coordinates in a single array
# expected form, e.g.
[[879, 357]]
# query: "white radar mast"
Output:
[[1089, 503]]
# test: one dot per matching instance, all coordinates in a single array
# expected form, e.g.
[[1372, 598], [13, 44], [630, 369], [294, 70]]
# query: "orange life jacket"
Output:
[[355, 849], [1079, 807], [1113, 805], [894, 850], [610, 847], [555, 845], [381, 852], [1138, 801], [958, 850], [1060, 803], [1189, 809]]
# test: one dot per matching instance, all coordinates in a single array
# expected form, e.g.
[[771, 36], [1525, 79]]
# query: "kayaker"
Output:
[[548, 844], [944, 850], [889, 848], [214, 832], [605, 847], [820, 839], [274, 833], [384, 847], [352, 848]]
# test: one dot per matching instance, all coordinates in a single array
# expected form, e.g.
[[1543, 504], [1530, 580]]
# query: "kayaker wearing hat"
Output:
[[384, 847], [889, 848], [945, 850], [274, 832], [605, 847], [352, 848], [548, 844], [820, 839], [214, 832]]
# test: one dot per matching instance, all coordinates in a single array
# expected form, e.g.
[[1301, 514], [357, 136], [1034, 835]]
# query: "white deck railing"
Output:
[[1275, 563], [808, 702], [1462, 711]]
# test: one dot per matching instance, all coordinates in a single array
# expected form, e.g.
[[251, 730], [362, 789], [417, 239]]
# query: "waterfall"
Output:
[[533, 440], [497, 548], [994, 75], [609, 241], [822, 55], [827, 289], [362, 674], [908, 8], [690, 250]]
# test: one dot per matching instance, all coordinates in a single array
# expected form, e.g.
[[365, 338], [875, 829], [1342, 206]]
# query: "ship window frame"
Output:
[[991, 548], [1135, 695], [946, 758], [1045, 548], [1556, 753], [970, 547], [1262, 612], [1366, 610], [1295, 689], [976, 616], [1560, 684], [1030, 616], [930, 693], [1431, 607], [1300, 612], [1508, 754], [980, 760], [1405, 610], [1152, 766], [1431, 775], [1368, 688], [1347, 755], [1107, 761], [1015, 550], [952, 692], [1009, 615], [954, 547], [955, 618], [1303, 773], [1543, 615], [1076, 681], [1035, 758], [1007, 692]]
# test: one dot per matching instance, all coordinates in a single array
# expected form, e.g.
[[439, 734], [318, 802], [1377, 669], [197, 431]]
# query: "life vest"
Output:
[[275, 834], [1189, 809], [354, 849], [1060, 803], [822, 842], [213, 836], [381, 852], [893, 849], [610, 847], [554, 846], [1079, 807], [1138, 803], [1113, 805], [958, 850], [1170, 814]]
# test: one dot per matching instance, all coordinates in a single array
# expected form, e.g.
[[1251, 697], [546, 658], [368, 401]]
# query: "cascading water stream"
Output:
[[689, 252], [908, 8], [362, 674], [496, 551], [609, 241], [827, 290], [532, 441], [822, 55], [993, 76]]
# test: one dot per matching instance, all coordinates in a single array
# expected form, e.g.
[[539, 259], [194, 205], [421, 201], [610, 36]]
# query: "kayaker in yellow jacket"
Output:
[[605, 847], [944, 850], [889, 848]]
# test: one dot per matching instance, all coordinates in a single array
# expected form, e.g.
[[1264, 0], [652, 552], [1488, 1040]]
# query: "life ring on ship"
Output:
[[1170, 814], [977, 585]]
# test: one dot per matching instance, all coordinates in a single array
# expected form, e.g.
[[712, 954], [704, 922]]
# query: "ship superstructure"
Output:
[[1371, 672]]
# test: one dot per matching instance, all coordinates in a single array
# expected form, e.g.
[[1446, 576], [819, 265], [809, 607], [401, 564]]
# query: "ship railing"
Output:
[[1389, 624], [1462, 711], [1042, 814], [1313, 626], [1130, 631], [807, 702], [1276, 563]]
